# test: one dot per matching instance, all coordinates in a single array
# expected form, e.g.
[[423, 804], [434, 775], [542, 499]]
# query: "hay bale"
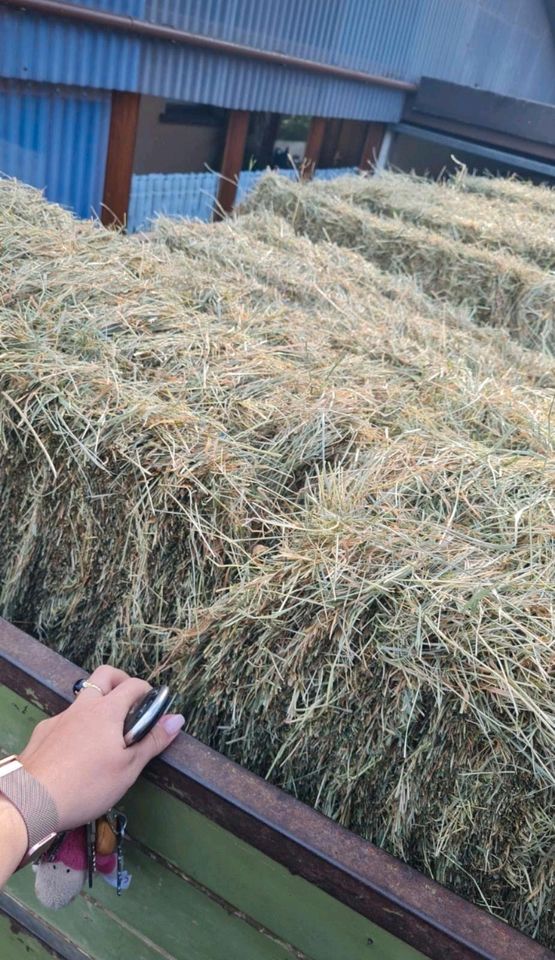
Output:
[[508, 190], [469, 217], [325, 517], [497, 288], [267, 250]]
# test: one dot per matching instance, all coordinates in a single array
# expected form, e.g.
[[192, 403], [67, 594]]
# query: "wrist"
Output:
[[13, 838]]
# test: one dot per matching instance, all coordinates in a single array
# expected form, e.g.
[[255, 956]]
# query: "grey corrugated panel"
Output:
[[500, 45], [55, 140]]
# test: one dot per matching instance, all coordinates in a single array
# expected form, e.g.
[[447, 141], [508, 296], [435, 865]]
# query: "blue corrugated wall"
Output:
[[56, 140]]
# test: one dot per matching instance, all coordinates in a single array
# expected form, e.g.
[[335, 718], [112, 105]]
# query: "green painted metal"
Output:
[[198, 893]]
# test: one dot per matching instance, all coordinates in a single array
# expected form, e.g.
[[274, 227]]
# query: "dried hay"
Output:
[[326, 517], [497, 288], [469, 217], [508, 190]]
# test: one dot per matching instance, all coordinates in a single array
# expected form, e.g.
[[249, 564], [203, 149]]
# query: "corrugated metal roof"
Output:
[[55, 140]]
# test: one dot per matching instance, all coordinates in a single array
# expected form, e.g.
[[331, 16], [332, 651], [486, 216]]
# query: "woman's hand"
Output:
[[80, 756]]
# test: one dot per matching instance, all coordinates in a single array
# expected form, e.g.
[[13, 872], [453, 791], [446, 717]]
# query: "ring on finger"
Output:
[[83, 684]]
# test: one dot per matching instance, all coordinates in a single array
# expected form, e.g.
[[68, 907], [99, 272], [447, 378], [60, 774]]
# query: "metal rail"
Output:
[[471, 146], [144, 28], [402, 901]]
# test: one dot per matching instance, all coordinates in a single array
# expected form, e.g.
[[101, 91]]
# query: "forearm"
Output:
[[13, 839]]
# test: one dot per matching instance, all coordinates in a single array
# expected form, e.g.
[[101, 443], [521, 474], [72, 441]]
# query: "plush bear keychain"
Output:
[[61, 874]]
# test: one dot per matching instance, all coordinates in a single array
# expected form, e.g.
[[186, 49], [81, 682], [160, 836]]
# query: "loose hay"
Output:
[[325, 515], [508, 190], [498, 288], [469, 217]]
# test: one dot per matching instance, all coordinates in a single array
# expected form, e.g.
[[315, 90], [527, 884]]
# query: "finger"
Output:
[[108, 678], [127, 694], [101, 682], [159, 738]]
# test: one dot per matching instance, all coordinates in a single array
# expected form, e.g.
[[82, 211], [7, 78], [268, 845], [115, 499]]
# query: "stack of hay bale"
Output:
[[300, 465]]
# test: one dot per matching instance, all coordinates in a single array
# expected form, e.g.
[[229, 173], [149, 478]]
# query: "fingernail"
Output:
[[172, 723]]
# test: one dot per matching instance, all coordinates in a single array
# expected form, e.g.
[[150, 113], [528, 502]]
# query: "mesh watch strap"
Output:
[[34, 803]]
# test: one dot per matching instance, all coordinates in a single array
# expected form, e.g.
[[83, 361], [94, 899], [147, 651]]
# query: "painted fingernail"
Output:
[[172, 723]]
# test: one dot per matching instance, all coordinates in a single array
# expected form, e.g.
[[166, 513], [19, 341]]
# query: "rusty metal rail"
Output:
[[113, 21], [413, 908]]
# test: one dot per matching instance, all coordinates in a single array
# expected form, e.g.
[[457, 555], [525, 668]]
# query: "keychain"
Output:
[[77, 855]]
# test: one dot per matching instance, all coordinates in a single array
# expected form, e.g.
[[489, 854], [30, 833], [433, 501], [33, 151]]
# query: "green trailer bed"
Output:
[[227, 867]]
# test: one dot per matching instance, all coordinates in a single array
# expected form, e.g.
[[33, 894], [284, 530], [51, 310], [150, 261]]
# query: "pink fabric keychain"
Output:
[[61, 877]]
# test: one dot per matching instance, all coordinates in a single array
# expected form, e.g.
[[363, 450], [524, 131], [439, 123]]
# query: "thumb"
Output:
[[159, 738]]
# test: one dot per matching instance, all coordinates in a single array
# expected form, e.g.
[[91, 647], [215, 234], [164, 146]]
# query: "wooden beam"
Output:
[[330, 144], [313, 147], [119, 162], [269, 139], [234, 151], [371, 148]]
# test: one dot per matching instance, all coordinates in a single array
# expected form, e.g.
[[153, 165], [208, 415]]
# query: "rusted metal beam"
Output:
[[145, 28], [234, 151], [413, 908], [313, 147], [372, 143], [119, 162]]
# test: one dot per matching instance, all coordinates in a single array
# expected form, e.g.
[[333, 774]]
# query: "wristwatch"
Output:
[[35, 805]]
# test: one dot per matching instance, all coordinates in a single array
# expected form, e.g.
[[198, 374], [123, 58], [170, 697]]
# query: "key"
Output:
[[91, 850], [121, 824]]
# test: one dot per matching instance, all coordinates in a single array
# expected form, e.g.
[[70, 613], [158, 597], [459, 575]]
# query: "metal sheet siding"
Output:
[[505, 46], [373, 36], [207, 77], [500, 45], [50, 50], [55, 140]]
